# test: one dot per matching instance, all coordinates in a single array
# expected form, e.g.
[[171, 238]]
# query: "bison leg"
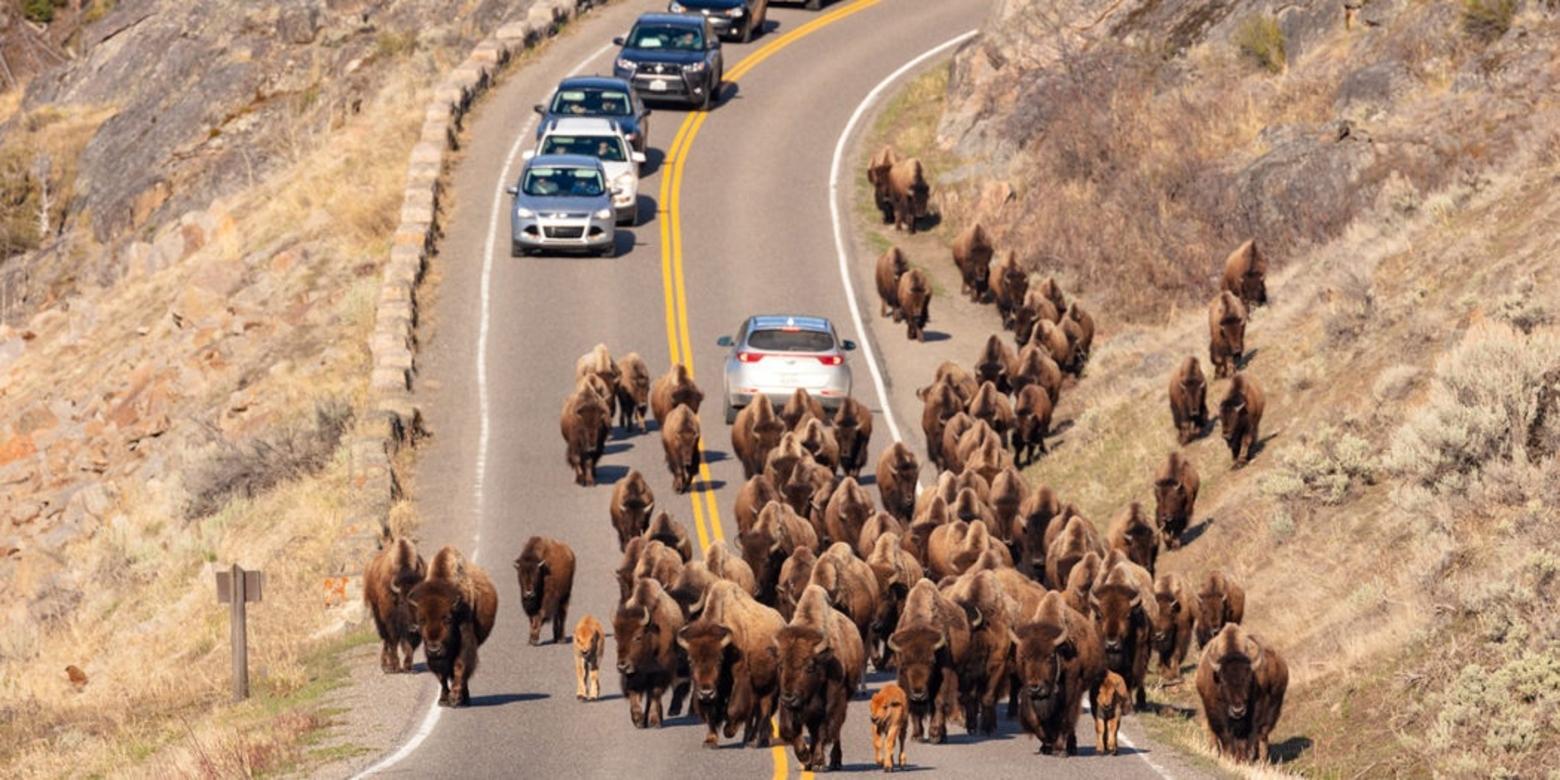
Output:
[[558, 620], [387, 659], [680, 688], [1100, 741], [636, 709], [536, 629], [408, 650], [654, 707]]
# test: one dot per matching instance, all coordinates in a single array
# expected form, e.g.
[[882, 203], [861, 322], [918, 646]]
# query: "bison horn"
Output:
[[975, 617], [1253, 651], [942, 641], [1137, 600], [892, 645], [646, 621]]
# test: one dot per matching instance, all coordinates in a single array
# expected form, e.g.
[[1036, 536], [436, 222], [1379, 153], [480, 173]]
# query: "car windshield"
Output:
[[591, 102], [562, 182], [666, 36], [606, 148], [791, 340]]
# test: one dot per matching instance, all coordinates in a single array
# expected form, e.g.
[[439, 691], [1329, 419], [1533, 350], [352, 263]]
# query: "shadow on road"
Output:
[[1196, 530], [500, 699], [934, 336], [609, 475]]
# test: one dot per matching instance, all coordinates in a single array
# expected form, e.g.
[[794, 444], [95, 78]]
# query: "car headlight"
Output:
[[676, 8], [624, 63], [736, 13], [624, 183], [694, 67], [604, 214], [524, 213]]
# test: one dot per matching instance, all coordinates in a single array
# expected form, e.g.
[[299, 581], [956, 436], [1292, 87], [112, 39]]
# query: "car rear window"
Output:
[[791, 340], [591, 102], [607, 148]]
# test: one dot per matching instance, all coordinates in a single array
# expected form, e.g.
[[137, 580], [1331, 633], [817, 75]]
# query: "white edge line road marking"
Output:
[[431, 719], [844, 258]]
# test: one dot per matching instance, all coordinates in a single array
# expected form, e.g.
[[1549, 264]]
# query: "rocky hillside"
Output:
[[197, 204], [1396, 531]]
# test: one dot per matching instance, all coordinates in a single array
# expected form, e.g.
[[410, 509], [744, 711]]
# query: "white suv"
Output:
[[601, 139]]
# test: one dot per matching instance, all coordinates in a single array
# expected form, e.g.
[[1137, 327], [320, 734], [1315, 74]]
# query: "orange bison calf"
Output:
[[1110, 703], [588, 641], [456, 607], [890, 721], [545, 569]]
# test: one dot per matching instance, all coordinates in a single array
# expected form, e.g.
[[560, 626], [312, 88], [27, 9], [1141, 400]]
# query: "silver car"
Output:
[[562, 203], [775, 354]]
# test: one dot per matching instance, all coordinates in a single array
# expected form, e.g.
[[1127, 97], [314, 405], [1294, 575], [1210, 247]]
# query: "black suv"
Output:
[[608, 98], [671, 57], [740, 19]]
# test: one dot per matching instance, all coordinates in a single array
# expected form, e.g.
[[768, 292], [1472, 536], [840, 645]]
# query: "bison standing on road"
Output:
[[877, 175], [545, 569], [1241, 682], [1034, 366], [456, 607], [890, 266], [938, 403], [993, 407], [848, 510], [1175, 497], [1226, 333], [890, 725], [1173, 626], [800, 408], [929, 645], [984, 673], [1009, 285], [850, 586], [1031, 424], [1058, 660], [1220, 601], [1136, 535], [390, 576], [995, 363], [777, 532], [896, 572], [1245, 274], [1240, 417], [915, 303], [972, 251], [632, 504], [897, 473], [1125, 612], [1076, 538], [680, 440], [584, 422], [648, 659], [852, 432], [909, 193], [730, 663], [1111, 701], [588, 644], [1188, 400], [755, 494], [795, 574], [756, 431], [672, 389], [633, 391], [822, 663]]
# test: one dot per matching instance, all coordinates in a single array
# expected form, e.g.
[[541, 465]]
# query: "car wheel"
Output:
[[747, 29], [610, 250], [516, 250], [731, 412], [813, 5], [709, 94]]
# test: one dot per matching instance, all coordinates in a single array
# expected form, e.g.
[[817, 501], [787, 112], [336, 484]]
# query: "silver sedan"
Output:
[[773, 355]]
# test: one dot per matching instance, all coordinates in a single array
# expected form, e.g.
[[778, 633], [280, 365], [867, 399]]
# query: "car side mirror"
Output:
[[540, 109], [715, 44], [639, 157], [512, 190], [644, 113], [528, 154], [618, 41], [848, 345], [724, 341]]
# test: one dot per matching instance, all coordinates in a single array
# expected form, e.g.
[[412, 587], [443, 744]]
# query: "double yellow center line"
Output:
[[706, 510]]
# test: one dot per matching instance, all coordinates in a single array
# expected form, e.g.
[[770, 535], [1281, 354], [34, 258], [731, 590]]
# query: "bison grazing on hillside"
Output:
[[984, 672], [915, 303], [680, 440], [1009, 285], [1220, 601], [995, 363], [929, 645], [1125, 611], [632, 504], [1241, 682], [822, 663], [890, 725], [853, 433], [890, 266], [456, 607], [1175, 497], [730, 663], [1136, 535], [1058, 660], [897, 473], [1226, 333], [672, 389], [909, 193], [648, 661], [545, 569], [972, 251], [633, 391], [1111, 701], [588, 644], [877, 175], [1031, 424], [1240, 417], [390, 575], [755, 432], [1173, 626], [584, 422], [1245, 274], [1188, 400]]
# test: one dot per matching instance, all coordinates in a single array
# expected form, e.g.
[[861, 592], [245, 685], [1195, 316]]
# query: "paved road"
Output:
[[499, 350]]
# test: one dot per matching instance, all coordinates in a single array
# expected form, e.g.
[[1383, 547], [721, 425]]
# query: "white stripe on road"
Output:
[[431, 719]]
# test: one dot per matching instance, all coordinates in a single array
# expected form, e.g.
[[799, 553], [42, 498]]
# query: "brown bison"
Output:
[[674, 535], [777, 532], [725, 563], [1034, 519], [972, 251], [756, 431], [390, 576], [853, 433], [850, 585], [1175, 497], [1188, 400], [992, 406], [1008, 493], [1009, 285], [962, 382], [658, 562], [1245, 274], [1080, 580], [808, 491], [1053, 293], [784, 458], [877, 175], [1173, 627], [1226, 334], [822, 663], [1240, 415], [755, 494], [1125, 612], [584, 422], [1220, 601], [819, 442], [631, 507], [795, 574], [890, 266], [680, 440], [800, 408], [693, 581], [672, 389], [1034, 366], [731, 665], [1136, 535], [1031, 424], [939, 402], [848, 510], [633, 391], [1049, 336], [1078, 327], [880, 523], [598, 361], [1111, 701], [1241, 681], [545, 569], [954, 430], [909, 193], [648, 658], [929, 646], [995, 363], [915, 303], [1059, 660], [1036, 307], [588, 643], [984, 673], [1075, 539], [632, 552], [890, 725], [896, 571], [455, 609]]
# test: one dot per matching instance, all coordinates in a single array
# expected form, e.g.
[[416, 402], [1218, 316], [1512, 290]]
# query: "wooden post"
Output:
[[240, 637]]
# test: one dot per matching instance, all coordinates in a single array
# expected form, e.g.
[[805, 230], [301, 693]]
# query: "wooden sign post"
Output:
[[237, 587]]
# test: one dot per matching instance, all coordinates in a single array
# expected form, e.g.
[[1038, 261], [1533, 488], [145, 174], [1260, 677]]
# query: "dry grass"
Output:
[[38, 170], [1260, 39]]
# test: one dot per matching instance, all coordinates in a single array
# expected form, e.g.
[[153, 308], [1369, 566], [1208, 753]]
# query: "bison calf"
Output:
[[588, 641], [890, 724], [1110, 703], [545, 569]]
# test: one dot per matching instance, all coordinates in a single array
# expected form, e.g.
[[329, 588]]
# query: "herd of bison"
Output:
[[980, 587]]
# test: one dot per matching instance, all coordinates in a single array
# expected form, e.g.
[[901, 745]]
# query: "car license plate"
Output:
[[788, 379], [658, 85]]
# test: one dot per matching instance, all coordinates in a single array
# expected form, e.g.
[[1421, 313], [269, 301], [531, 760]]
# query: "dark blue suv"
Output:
[[612, 99], [671, 57]]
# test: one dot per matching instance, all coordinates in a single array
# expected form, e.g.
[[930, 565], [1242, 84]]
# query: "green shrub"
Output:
[[1488, 19], [1322, 467], [41, 11], [1260, 38]]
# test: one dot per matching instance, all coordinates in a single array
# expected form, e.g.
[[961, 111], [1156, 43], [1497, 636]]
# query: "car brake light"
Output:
[[831, 360], [749, 357]]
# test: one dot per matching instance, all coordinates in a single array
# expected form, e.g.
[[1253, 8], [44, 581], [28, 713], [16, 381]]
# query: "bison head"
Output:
[[531, 569], [805, 664], [919, 651], [764, 555], [1231, 412], [1042, 651], [1169, 498], [1165, 620], [795, 573], [892, 602], [637, 636], [438, 609], [1233, 673], [708, 646], [1232, 326], [1117, 609], [1211, 604]]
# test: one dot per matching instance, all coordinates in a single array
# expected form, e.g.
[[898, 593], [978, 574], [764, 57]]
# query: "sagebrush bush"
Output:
[[1322, 466], [1260, 38], [1495, 398], [251, 467], [1394, 382], [1488, 19]]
